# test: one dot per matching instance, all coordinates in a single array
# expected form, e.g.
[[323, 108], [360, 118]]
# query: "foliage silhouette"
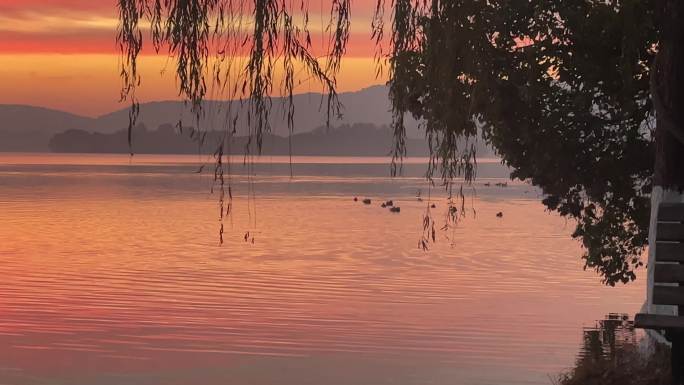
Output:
[[562, 89]]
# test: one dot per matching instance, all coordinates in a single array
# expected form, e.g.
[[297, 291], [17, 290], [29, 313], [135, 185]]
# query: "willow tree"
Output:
[[567, 91]]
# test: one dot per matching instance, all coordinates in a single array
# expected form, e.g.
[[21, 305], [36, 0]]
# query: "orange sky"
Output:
[[62, 54]]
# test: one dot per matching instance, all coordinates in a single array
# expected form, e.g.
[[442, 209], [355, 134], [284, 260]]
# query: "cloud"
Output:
[[36, 23], [63, 26], [58, 6], [88, 26]]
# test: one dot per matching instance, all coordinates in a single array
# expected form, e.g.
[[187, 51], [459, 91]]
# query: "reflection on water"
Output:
[[613, 353], [607, 338], [112, 273]]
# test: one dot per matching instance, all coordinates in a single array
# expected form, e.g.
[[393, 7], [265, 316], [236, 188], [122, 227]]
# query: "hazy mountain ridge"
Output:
[[368, 105], [28, 128], [17, 117], [347, 140]]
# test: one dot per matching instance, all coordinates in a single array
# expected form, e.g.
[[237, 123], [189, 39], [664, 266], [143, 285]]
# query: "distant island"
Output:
[[346, 140]]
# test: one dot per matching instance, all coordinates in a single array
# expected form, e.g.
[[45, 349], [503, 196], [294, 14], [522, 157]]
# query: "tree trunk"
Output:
[[668, 98], [667, 94]]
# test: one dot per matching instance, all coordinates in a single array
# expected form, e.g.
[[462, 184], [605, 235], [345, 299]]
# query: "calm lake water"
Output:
[[112, 273]]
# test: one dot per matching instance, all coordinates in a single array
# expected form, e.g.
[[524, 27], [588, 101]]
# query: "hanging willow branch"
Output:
[[130, 42], [272, 34], [559, 87], [236, 48]]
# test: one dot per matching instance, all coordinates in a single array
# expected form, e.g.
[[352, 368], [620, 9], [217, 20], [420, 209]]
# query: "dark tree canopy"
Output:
[[560, 88]]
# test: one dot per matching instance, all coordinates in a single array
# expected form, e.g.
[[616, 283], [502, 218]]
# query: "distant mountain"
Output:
[[369, 105], [19, 118], [28, 128], [355, 140], [348, 140]]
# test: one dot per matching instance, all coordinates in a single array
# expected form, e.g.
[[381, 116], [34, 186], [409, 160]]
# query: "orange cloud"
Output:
[[85, 26], [63, 54]]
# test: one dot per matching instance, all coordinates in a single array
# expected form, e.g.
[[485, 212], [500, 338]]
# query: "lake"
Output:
[[113, 273]]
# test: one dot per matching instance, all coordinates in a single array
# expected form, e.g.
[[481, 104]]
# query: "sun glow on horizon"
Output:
[[63, 55], [89, 84]]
